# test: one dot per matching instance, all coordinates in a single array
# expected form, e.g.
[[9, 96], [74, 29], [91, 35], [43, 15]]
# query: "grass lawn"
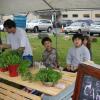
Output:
[[63, 46]]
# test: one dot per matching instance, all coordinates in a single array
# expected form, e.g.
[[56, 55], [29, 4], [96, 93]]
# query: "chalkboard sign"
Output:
[[90, 89], [87, 85]]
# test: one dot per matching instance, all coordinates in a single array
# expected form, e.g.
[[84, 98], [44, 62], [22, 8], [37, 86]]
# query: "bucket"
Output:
[[13, 70]]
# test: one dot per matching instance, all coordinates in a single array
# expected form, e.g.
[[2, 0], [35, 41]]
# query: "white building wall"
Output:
[[80, 14], [93, 15]]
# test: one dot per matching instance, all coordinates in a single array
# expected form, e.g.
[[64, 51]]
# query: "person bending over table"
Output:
[[17, 40]]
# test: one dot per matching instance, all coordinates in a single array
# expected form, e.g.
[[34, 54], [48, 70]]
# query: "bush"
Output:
[[93, 39], [42, 35]]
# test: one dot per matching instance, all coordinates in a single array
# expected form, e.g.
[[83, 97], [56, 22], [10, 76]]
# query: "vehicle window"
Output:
[[45, 21], [48, 21], [65, 21], [83, 25], [96, 23], [35, 21], [76, 24]]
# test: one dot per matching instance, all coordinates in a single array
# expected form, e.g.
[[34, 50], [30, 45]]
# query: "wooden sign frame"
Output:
[[84, 71]]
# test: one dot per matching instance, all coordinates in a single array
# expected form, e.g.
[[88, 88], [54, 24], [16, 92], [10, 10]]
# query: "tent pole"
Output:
[[48, 4], [0, 34], [55, 29], [0, 38], [0, 42]]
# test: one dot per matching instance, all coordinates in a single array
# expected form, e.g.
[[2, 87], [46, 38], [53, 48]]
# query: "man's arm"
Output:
[[20, 50]]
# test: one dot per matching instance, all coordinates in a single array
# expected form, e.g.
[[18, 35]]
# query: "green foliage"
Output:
[[3, 63], [24, 70], [23, 67], [48, 75], [12, 57], [94, 39], [27, 76], [9, 58]]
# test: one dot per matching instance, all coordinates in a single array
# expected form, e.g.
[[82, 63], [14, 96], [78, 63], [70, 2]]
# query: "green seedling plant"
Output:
[[24, 70], [11, 57], [48, 75], [3, 63]]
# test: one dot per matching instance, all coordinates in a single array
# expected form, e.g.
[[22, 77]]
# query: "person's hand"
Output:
[[68, 67], [74, 68], [1, 46]]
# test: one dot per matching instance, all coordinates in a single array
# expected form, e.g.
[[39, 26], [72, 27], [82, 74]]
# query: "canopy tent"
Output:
[[25, 6], [16, 6]]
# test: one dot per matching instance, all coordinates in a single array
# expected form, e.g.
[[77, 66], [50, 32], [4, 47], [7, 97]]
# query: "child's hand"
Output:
[[68, 67], [74, 68]]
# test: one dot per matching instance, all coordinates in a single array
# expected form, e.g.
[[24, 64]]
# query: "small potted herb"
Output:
[[13, 61], [24, 70], [48, 76]]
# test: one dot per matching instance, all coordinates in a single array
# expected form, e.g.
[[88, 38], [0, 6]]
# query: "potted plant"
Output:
[[13, 61], [24, 71], [3, 64], [48, 76]]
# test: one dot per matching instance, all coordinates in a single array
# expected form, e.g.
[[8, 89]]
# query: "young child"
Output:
[[87, 43], [49, 55], [77, 54]]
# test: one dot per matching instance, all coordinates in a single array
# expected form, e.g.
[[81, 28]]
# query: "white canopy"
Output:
[[16, 6]]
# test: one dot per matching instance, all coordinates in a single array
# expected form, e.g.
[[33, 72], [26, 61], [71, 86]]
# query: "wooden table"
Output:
[[68, 79]]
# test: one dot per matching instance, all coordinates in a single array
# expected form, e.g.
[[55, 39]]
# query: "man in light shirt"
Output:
[[17, 40]]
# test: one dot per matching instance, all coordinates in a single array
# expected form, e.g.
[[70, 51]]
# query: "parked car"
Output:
[[88, 21], [95, 28], [66, 23], [1, 27], [77, 27], [58, 24], [39, 25]]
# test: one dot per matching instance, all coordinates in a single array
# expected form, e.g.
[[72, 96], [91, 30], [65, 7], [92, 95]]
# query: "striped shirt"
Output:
[[50, 58]]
